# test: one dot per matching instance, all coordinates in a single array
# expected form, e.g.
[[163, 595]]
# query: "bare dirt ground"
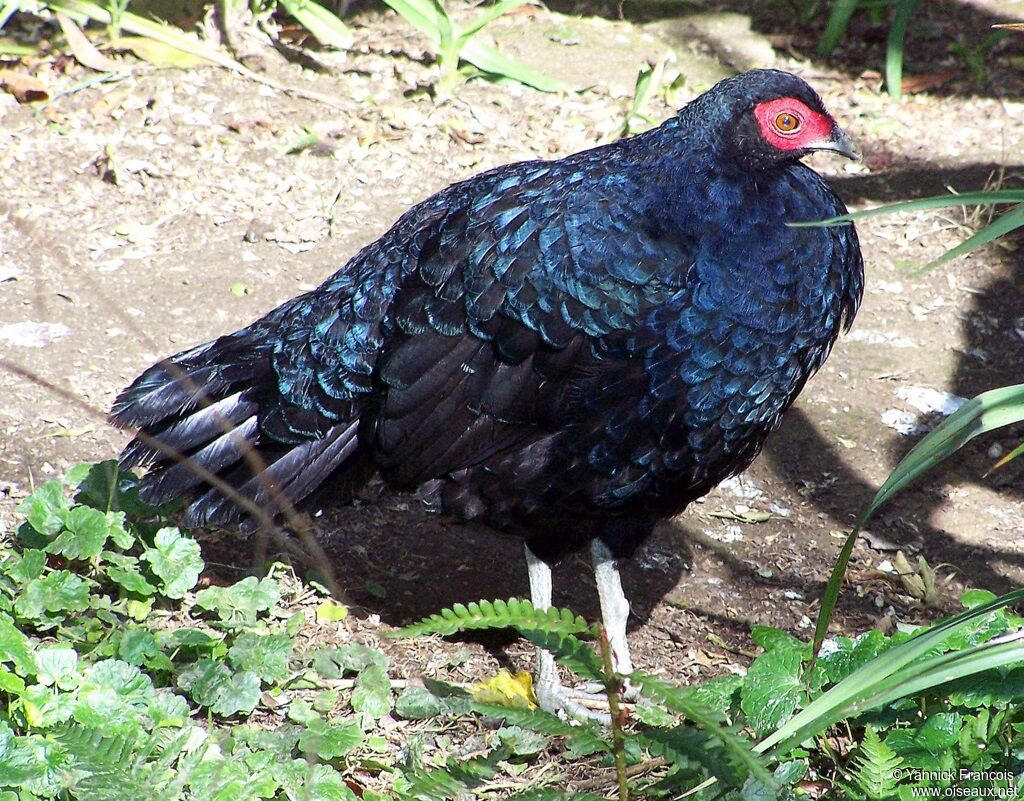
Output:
[[144, 215]]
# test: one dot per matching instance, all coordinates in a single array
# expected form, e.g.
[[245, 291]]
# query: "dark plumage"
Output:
[[564, 350]]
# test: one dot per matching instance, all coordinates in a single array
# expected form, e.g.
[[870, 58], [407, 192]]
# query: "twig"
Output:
[[612, 687], [631, 772]]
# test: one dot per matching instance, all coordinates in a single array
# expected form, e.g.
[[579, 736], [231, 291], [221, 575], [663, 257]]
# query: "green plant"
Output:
[[455, 46], [1011, 220], [839, 19], [786, 697], [976, 57], [649, 80], [320, 22], [120, 677]]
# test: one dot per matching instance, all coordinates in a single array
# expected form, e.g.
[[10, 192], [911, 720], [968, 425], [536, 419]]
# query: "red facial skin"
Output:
[[813, 128]]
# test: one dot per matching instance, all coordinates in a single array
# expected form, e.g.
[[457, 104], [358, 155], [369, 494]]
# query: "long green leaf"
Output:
[[174, 37], [945, 668], [1010, 221], [7, 11], [423, 15], [990, 410], [325, 26], [863, 687], [838, 20], [489, 59], [679, 699], [894, 47], [990, 197], [487, 16]]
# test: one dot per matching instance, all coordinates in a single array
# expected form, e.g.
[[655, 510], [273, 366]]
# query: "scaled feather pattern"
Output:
[[561, 349]]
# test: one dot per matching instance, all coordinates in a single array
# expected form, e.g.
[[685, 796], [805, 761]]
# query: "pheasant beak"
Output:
[[838, 142]]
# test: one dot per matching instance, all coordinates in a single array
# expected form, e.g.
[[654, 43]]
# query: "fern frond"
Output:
[[873, 770], [453, 778], [710, 722], [109, 766], [570, 651], [583, 738], [551, 794], [514, 613]]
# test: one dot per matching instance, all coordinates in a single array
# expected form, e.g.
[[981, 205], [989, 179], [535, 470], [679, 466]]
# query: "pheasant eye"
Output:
[[787, 123]]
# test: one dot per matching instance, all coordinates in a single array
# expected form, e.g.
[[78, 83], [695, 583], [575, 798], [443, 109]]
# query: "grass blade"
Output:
[[869, 682], [488, 58], [990, 410], [325, 26], [1010, 221], [991, 197], [420, 14], [838, 20], [489, 15], [166, 34], [894, 47]]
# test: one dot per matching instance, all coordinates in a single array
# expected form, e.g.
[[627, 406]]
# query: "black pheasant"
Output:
[[568, 351]]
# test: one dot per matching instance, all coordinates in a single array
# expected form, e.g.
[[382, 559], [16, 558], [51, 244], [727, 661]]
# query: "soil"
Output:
[[145, 214]]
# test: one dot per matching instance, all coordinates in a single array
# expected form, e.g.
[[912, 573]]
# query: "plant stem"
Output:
[[612, 687]]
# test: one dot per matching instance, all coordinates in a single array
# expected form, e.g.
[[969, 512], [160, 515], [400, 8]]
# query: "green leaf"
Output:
[[84, 536], [874, 768], [418, 703], [1009, 222], [489, 59], [717, 694], [45, 508], [429, 17], [326, 784], [487, 16], [60, 591], [176, 560], [514, 613], [210, 683], [131, 579], [29, 566], [15, 647], [924, 746], [973, 598], [989, 689], [582, 738], [838, 20], [330, 611], [11, 683], [112, 696], [328, 740], [894, 47], [986, 412], [20, 762], [712, 723], [107, 487], [136, 646], [839, 657], [988, 197], [56, 664], [521, 742], [772, 690], [333, 663], [901, 671], [242, 602], [167, 709], [320, 22], [240, 694], [569, 651], [265, 655], [203, 681], [772, 639], [372, 693]]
